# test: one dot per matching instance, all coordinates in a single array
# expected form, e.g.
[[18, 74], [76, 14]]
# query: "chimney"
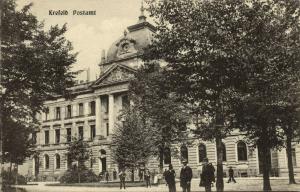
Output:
[[103, 59]]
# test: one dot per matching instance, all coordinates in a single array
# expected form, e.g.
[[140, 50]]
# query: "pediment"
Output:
[[117, 73]]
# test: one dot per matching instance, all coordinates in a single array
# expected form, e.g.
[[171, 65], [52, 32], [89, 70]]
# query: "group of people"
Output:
[[207, 177], [147, 178]]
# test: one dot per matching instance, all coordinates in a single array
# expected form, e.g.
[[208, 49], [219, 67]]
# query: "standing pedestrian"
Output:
[[231, 173], [186, 175], [207, 176], [147, 178], [106, 176], [122, 176], [114, 174], [141, 174], [170, 178]]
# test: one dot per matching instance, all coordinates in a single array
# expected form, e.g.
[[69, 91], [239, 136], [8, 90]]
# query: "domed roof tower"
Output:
[[129, 47]]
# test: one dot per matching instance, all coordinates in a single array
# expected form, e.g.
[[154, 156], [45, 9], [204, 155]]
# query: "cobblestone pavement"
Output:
[[243, 184]]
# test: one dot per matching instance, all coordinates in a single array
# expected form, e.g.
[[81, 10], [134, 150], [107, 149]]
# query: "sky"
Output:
[[90, 34]]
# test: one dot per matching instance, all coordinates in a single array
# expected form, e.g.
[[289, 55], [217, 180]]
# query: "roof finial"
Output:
[[142, 17]]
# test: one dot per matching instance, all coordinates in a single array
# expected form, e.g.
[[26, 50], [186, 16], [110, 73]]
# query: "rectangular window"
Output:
[[107, 129], [294, 157], [47, 114], [80, 133], [46, 137], [125, 101], [69, 135], [93, 132], [104, 103], [92, 108], [80, 106], [69, 111], [57, 135], [34, 138], [57, 113]]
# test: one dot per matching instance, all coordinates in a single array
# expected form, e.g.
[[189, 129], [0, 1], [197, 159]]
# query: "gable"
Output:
[[117, 73]]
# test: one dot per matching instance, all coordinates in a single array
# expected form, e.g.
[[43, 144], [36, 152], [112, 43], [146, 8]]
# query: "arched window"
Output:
[[167, 155], [202, 152], [184, 153], [224, 152], [57, 161], [242, 151], [46, 158]]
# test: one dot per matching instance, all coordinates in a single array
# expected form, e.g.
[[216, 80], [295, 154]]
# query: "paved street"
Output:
[[243, 184]]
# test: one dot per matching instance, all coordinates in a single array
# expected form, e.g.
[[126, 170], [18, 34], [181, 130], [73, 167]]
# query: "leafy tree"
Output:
[[35, 66], [231, 62], [78, 152], [167, 115], [133, 141]]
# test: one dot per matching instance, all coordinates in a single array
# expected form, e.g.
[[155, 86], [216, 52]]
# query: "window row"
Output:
[[56, 161], [69, 111], [79, 108], [68, 134], [242, 154]]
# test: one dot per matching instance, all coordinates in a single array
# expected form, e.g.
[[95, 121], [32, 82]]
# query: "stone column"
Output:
[[111, 119], [98, 116]]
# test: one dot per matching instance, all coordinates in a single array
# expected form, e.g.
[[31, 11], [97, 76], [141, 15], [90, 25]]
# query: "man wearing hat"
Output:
[[170, 178], [186, 175], [207, 175], [231, 178]]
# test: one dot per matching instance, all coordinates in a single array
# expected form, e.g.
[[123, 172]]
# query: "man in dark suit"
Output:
[[207, 175], [231, 173], [170, 178], [186, 175]]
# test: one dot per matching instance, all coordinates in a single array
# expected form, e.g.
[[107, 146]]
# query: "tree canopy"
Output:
[[36, 66], [233, 62]]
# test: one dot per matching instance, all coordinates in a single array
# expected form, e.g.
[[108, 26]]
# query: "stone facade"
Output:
[[93, 113]]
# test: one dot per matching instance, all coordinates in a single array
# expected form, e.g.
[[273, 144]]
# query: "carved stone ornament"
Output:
[[125, 47]]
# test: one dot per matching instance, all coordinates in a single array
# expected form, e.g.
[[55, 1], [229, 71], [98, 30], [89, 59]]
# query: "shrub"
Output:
[[71, 176], [9, 178]]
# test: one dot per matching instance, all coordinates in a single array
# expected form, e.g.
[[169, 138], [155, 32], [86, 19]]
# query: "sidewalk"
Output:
[[243, 184]]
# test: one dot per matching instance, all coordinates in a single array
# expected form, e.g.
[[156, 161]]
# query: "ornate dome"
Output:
[[138, 37]]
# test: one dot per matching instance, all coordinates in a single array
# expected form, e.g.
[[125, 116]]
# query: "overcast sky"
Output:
[[89, 34]]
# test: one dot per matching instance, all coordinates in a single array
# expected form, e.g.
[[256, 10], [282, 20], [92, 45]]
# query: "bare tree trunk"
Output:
[[220, 181], [290, 160], [265, 154]]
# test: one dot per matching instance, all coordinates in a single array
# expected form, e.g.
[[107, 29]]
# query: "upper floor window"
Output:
[[224, 152], [202, 152], [93, 131], [80, 109], [33, 136], [69, 111], [57, 136], [242, 151], [46, 114], [184, 153], [69, 135], [46, 160], [57, 113], [57, 161], [104, 103], [47, 137], [80, 133], [92, 107]]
